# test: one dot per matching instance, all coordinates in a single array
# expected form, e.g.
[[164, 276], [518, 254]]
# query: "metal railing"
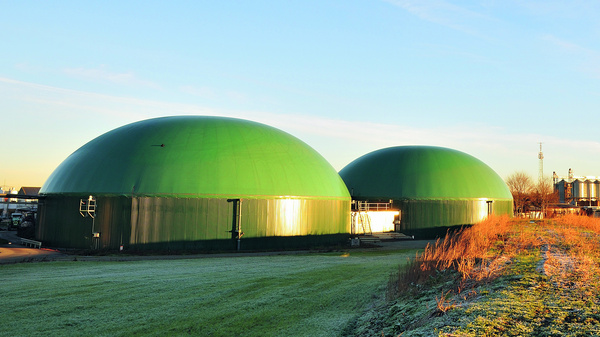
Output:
[[373, 206], [31, 243]]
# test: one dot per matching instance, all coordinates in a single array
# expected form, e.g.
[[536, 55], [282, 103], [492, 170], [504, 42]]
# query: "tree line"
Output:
[[529, 195]]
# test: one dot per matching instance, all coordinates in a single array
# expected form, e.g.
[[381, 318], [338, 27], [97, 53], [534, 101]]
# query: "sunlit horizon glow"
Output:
[[380, 221], [491, 79]]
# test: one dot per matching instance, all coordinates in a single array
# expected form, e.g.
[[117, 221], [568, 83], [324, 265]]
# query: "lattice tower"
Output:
[[541, 158]]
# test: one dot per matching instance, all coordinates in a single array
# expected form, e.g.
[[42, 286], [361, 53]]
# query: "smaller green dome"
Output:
[[422, 172]]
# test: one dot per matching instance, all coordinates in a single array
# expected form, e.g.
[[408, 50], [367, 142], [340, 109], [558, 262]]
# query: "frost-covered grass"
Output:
[[284, 295]]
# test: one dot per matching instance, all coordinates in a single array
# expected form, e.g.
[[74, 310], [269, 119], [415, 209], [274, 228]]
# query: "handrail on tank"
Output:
[[373, 206]]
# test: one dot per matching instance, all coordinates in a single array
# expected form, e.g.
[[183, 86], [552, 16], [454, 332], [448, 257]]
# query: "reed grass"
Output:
[[476, 253]]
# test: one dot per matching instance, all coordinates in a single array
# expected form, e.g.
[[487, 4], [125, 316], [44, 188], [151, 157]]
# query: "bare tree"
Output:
[[544, 194], [520, 185]]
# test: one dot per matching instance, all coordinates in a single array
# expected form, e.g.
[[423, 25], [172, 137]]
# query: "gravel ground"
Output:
[[15, 253]]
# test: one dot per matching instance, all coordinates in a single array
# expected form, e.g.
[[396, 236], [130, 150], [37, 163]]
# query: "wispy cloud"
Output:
[[70, 103], [104, 75], [567, 46], [446, 14], [341, 141], [210, 93], [575, 9], [586, 60], [204, 92], [338, 140]]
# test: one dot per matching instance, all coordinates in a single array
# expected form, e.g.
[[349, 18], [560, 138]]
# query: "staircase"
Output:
[[392, 236], [375, 238]]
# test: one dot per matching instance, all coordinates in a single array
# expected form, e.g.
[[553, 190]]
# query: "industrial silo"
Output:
[[193, 182], [580, 189], [561, 187], [592, 189], [434, 188]]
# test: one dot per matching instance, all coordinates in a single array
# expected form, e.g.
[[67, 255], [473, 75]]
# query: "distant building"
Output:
[[22, 200], [574, 190], [30, 193]]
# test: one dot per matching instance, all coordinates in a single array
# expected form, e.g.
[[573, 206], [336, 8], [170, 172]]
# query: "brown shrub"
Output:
[[467, 251]]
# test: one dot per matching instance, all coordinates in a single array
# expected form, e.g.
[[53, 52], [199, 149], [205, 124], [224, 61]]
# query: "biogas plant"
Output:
[[215, 183]]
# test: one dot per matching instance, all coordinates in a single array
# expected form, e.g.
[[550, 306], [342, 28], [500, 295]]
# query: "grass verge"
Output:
[[499, 278]]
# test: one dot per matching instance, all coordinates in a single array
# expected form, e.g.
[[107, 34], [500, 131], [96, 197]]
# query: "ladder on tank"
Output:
[[365, 221], [362, 217]]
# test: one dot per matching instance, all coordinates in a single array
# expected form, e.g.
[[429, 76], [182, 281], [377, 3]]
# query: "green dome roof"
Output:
[[197, 156], [422, 172]]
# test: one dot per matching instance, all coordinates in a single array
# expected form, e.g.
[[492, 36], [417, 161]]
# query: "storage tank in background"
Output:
[[435, 188], [580, 189], [592, 189]]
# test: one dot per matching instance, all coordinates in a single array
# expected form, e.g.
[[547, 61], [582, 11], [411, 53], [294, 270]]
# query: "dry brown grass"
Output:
[[577, 243], [550, 284], [443, 304], [572, 220], [471, 251], [480, 252]]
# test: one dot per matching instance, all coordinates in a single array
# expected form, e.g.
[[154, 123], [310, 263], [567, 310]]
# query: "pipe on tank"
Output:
[[237, 207]]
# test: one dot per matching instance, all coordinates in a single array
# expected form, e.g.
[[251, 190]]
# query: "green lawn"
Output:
[[283, 295]]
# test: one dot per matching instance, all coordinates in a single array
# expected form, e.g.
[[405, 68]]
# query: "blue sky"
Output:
[[490, 78]]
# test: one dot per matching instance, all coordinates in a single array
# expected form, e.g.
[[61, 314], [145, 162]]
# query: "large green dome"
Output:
[[197, 156], [422, 172]]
